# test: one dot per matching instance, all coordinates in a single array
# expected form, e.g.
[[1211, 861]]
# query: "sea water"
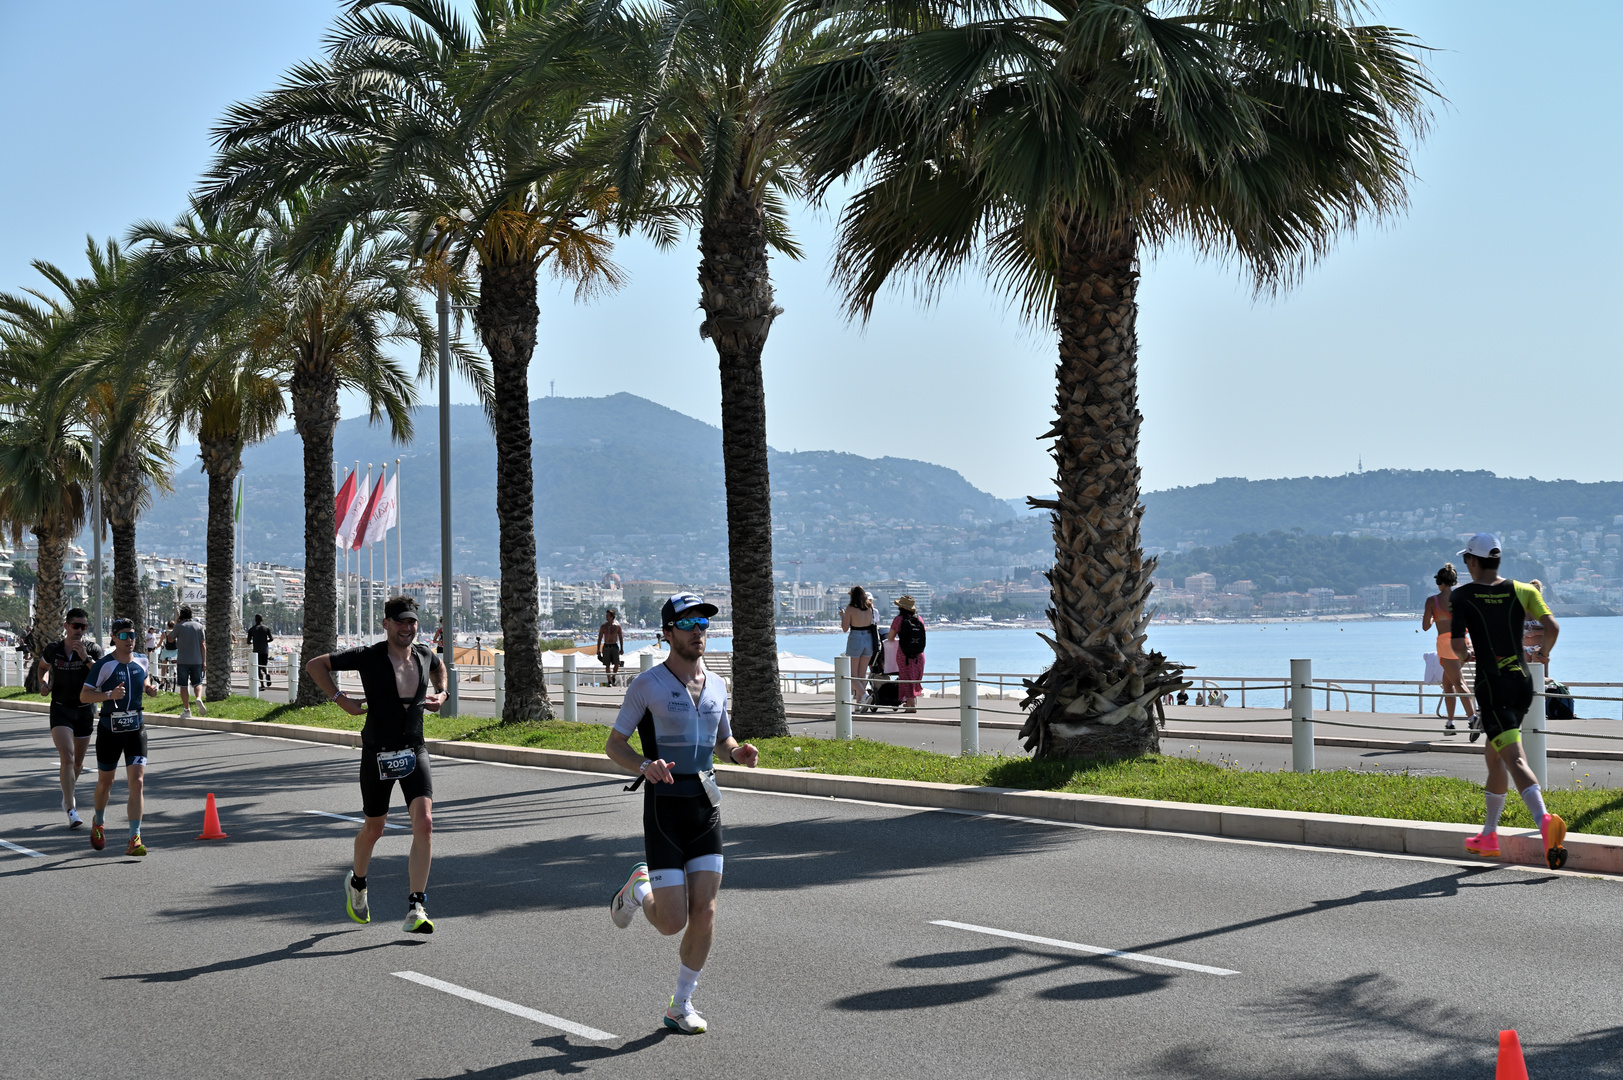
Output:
[[1589, 649]]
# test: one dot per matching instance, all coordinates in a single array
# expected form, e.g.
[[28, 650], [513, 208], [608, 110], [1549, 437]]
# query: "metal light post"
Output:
[[444, 308], [95, 517]]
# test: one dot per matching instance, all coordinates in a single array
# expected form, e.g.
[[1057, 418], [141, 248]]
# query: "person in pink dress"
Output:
[[907, 630]]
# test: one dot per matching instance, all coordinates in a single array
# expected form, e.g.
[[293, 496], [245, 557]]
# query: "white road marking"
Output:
[[1094, 949], [19, 849], [362, 821], [539, 1017]]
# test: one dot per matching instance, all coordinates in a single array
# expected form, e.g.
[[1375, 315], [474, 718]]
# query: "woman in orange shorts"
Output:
[[1437, 612]]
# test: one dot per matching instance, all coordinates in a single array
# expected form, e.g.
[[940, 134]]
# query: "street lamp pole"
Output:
[[444, 308], [95, 515]]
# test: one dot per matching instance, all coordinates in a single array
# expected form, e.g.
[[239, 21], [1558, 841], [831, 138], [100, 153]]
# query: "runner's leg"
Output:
[[70, 762], [370, 832], [422, 843], [667, 909], [104, 791], [703, 886], [135, 778]]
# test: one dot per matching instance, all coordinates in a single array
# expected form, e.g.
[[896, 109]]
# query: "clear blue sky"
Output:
[[1474, 333]]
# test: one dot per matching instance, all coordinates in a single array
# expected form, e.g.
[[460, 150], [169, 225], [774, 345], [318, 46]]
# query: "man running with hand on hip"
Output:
[[117, 681], [1492, 610], [395, 674], [680, 714]]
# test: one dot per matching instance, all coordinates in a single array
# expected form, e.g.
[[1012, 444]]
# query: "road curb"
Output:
[[1596, 854]]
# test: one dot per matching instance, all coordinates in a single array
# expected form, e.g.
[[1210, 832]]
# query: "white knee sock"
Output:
[[1534, 798], [1496, 806], [640, 891], [687, 981]]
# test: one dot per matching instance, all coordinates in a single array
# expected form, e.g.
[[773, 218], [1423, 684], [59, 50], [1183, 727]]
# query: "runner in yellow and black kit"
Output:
[[1491, 610]]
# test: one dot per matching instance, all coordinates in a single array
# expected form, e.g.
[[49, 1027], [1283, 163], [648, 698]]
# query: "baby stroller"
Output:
[[884, 690]]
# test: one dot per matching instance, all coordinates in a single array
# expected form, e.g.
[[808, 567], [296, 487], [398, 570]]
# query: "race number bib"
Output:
[[122, 722], [398, 765]]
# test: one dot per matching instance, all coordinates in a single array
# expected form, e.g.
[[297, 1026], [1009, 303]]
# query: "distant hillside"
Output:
[[1384, 503], [614, 474]]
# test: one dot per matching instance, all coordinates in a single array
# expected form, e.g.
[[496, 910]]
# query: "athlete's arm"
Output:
[[436, 675], [619, 750], [320, 669], [1425, 615], [1552, 630], [738, 753], [44, 676]]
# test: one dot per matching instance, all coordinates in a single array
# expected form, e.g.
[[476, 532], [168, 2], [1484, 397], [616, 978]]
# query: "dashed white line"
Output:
[[1141, 958], [362, 821], [19, 849], [527, 1013]]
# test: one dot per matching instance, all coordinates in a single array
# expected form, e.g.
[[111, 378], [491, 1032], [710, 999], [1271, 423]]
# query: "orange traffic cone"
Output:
[[1511, 1066], [212, 830]]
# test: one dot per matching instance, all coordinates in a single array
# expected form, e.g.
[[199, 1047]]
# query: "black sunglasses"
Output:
[[78, 626]]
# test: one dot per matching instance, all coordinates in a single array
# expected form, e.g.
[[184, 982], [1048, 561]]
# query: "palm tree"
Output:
[[1054, 145], [691, 131], [316, 325], [384, 124], [44, 452]]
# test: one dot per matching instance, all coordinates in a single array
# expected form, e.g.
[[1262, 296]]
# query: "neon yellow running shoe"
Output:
[[135, 847]]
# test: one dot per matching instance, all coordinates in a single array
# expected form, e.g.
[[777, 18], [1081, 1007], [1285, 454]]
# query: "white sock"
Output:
[[1534, 798], [687, 981], [639, 893], [1496, 806]]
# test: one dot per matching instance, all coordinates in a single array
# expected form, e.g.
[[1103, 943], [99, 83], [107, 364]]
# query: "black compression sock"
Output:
[[417, 898], [356, 880]]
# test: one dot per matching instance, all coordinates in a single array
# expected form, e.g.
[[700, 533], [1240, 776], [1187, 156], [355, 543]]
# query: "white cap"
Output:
[[1483, 546]]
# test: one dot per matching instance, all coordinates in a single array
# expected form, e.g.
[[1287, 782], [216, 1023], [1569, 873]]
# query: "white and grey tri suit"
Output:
[[681, 820]]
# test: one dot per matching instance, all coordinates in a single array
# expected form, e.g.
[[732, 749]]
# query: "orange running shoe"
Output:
[[1484, 844], [1554, 830], [98, 837], [135, 847]]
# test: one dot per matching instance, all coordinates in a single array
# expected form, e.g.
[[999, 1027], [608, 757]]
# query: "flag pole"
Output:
[[399, 530]]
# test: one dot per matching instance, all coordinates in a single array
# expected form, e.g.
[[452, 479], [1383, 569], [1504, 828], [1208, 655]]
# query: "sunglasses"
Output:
[[124, 635], [692, 624], [78, 626]]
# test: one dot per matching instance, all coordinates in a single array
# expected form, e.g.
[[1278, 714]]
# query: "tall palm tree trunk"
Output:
[[222, 461], [1097, 700], [121, 502], [735, 290], [314, 390], [50, 603], [507, 316]]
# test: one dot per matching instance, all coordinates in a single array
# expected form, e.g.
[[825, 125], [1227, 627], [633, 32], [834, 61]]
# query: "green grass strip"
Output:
[[1386, 794]]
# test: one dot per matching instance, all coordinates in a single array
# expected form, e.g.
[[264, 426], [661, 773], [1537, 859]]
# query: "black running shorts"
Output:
[[129, 745], [1502, 701], [375, 791], [81, 720], [678, 829]]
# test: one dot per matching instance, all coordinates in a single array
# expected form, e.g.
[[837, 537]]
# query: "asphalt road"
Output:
[[234, 958]]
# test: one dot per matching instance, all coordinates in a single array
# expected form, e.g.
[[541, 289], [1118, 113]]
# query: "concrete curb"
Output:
[[1595, 854]]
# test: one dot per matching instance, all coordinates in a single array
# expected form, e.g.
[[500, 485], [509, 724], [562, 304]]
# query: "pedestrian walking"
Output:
[[611, 644], [191, 654], [395, 675], [679, 712], [1491, 611], [259, 639], [1437, 613], [63, 666], [907, 630], [168, 650], [861, 640], [1533, 633], [118, 681]]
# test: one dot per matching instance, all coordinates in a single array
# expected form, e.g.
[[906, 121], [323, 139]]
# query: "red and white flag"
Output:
[[346, 495], [363, 527], [386, 514]]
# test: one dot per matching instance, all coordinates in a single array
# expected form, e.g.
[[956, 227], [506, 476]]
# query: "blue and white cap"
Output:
[[1483, 546], [685, 605]]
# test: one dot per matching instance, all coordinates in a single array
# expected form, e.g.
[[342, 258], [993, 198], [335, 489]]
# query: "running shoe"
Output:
[[624, 905], [202, 710], [185, 714], [684, 1019], [135, 847], [1484, 844], [1554, 830], [74, 820], [1450, 729], [98, 836], [417, 921], [355, 900], [1476, 728]]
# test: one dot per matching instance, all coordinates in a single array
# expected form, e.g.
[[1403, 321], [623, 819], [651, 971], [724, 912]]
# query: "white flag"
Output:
[[386, 515], [352, 517]]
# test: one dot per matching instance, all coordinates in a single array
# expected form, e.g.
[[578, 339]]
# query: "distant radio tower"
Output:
[[1360, 463], [552, 391]]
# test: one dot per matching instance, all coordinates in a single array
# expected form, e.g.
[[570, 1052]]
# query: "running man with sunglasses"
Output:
[[63, 666], [680, 715], [117, 681]]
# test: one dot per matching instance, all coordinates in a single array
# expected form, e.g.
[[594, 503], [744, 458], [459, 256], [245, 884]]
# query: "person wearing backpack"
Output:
[[907, 630]]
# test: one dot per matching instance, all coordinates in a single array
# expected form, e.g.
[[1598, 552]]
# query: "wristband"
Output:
[[645, 763]]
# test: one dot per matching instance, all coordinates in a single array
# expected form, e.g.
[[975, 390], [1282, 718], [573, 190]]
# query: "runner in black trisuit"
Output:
[[680, 715], [395, 674], [1491, 610], [62, 669]]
